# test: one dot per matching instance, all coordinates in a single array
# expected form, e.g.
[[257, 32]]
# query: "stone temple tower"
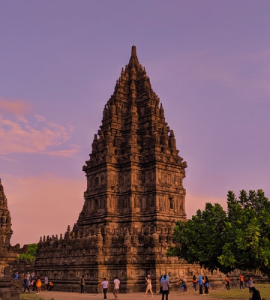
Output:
[[5, 221], [134, 196], [7, 252]]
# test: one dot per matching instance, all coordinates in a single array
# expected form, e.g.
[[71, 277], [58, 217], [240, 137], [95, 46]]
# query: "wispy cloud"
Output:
[[14, 106], [26, 134], [65, 152]]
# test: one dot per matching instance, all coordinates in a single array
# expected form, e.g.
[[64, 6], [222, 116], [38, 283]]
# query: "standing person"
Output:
[[105, 286], [82, 284], [26, 284], [46, 282], [116, 285], [250, 283], [227, 282], [184, 282], [165, 287], [148, 286], [241, 277], [38, 285], [200, 282], [28, 276], [33, 283], [206, 285], [255, 294], [160, 279], [194, 283], [16, 276]]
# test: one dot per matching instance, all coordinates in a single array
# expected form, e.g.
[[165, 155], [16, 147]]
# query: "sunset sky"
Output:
[[208, 61]]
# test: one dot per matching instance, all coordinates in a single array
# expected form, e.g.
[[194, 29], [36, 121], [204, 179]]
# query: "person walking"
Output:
[[206, 285], [105, 286], [241, 277], [33, 283], [250, 283], [82, 284], [116, 286], [148, 286], [200, 282], [184, 283], [227, 282], [194, 282], [165, 287], [26, 284], [38, 285]]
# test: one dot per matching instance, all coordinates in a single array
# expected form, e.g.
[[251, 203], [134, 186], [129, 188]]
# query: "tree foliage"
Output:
[[31, 253], [238, 238]]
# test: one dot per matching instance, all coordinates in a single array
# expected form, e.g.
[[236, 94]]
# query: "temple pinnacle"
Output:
[[133, 51]]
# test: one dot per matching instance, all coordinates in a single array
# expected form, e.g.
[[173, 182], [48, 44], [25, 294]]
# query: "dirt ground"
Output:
[[48, 295]]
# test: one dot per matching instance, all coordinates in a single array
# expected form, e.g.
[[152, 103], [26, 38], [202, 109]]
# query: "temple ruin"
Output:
[[8, 253], [134, 196]]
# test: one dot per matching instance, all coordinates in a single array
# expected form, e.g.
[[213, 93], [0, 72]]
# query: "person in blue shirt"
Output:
[[200, 282]]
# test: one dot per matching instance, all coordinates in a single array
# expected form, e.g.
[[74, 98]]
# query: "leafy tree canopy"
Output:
[[31, 254], [238, 238]]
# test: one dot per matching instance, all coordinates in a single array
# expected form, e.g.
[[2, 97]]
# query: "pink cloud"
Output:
[[20, 136], [15, 106], [64, 152], [42, 205]]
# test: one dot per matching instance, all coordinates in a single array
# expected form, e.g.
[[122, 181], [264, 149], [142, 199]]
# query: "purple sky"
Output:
[[208, 61]]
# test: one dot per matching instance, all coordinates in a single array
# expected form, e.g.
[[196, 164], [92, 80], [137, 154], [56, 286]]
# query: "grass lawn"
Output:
[[241, 294], [233, 294]]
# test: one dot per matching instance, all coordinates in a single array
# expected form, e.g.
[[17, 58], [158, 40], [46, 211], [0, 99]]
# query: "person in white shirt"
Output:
[[46, 282], [105, 286], [116, 286]]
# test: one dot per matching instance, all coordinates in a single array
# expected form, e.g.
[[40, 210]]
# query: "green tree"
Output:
[[238, 238], [31, 253]]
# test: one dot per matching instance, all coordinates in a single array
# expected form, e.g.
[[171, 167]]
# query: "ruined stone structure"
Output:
[[7, 253], [134, 196]]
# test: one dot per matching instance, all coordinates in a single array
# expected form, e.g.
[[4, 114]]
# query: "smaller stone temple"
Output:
[[8, 253]]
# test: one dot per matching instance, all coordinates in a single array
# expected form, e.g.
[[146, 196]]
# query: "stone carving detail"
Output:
[[134, 196]]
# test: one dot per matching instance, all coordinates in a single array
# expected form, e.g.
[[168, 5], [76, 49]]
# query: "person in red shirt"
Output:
[[227, 283], [241, 277]]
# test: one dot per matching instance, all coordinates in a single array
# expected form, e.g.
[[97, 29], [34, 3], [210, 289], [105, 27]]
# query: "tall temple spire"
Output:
[[5, 220], [134, 194], [133, 51]]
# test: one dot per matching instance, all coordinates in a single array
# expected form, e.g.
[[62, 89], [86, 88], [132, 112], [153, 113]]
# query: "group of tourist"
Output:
[[34, 282], [241, 282], [202, 282], [255, 294]]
